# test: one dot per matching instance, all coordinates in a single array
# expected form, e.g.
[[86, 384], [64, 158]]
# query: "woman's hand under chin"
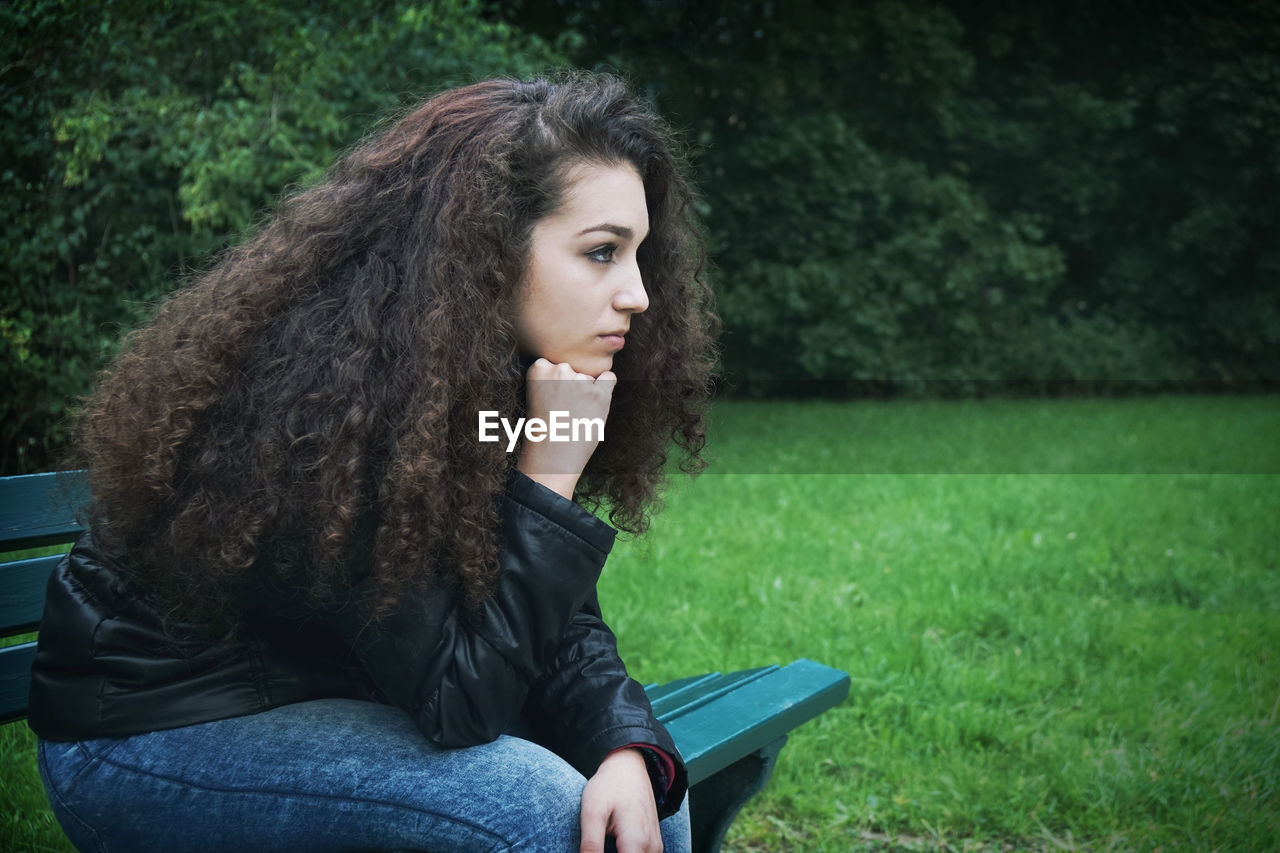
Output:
[[559, 388]]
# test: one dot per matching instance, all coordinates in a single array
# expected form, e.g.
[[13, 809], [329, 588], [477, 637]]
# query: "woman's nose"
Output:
[[632, 295]]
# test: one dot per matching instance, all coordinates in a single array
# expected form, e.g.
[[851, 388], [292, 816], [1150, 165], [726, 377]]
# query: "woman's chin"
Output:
[[592, 367]]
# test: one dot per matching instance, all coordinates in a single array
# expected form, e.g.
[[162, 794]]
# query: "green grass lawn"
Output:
[[1061, 620]]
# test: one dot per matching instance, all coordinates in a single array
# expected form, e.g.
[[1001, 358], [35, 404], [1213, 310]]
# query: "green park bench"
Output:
[[729, 728]]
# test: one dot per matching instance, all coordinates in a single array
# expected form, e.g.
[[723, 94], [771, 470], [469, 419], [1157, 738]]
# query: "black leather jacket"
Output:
[[538, 655]]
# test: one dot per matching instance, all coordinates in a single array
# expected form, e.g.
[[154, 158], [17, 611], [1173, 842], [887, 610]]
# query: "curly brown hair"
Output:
[[313, 397]]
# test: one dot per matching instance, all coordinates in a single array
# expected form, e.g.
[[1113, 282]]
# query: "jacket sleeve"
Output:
[[585, 706], [465, 678]]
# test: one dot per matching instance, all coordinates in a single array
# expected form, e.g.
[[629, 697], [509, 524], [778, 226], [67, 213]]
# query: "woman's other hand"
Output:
[[618, 801], [559, 388]]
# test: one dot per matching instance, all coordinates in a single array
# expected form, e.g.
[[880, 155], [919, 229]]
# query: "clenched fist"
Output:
[[557, 464]]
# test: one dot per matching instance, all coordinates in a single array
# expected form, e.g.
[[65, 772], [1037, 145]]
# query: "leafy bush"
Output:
[[833, 294], [913, 190], [907, 196], [139, 137]]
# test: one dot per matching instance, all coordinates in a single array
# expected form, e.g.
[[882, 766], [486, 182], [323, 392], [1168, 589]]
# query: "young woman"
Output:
[[314, 611]]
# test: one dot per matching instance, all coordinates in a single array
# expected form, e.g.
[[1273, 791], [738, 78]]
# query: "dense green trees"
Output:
[[140, 136], [982, 193], [902, 196]]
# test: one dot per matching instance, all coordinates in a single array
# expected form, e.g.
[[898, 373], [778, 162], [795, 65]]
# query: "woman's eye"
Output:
[[603, 254]]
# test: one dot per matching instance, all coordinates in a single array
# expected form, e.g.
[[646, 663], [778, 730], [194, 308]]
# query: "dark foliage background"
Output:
[[969, 197], [903, 197]]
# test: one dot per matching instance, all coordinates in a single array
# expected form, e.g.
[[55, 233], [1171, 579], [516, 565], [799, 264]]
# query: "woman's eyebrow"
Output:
[[621, 230]]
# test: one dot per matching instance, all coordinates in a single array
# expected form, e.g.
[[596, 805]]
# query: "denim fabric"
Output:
[[325, 775]]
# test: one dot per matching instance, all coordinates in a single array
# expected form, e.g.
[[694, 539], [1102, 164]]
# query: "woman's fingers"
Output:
[[595, 822], [567, 413], [558, 387], [618, 799]]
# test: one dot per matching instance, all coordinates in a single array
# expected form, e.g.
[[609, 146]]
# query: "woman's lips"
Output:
[[615, 341]]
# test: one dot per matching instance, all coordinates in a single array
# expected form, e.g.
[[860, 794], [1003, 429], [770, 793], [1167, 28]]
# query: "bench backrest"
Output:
[[36, 511]]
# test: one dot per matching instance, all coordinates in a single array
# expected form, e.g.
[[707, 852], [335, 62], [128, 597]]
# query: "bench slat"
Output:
[[22, 600], [708, 688], [759, 712], [40, 509], [15, 677], [657, 691]]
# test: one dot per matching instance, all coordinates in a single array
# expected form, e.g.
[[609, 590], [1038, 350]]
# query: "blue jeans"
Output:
[[332, 774]]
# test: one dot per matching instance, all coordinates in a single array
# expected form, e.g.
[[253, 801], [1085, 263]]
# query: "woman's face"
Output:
[[583, 285]]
